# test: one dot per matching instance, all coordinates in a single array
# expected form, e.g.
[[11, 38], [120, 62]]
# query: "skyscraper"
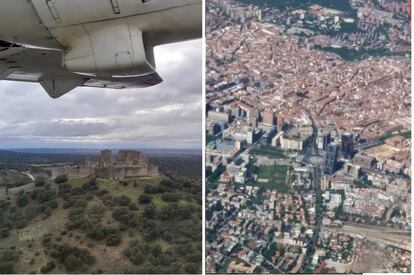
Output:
[[324, 138], [254, 115], [269, 118], [330, 158], [347, 145]]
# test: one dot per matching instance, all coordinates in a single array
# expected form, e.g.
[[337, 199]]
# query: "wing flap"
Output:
[[125, 82]]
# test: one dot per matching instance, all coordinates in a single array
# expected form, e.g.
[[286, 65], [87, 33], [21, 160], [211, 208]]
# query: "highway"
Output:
[[312, 150]]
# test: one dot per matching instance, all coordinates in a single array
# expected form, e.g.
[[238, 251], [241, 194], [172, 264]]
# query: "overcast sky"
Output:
[[164, 116]]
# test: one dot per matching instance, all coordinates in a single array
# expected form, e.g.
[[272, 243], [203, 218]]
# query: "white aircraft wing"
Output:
[[46, 67]]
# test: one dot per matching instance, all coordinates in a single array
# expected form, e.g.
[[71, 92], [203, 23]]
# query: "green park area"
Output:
[[278, 176], [406, 134]]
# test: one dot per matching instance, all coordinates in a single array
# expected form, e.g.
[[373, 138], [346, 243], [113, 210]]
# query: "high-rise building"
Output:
[[325, 184], [254, 116], [259, 15], [347, 145], [331, 157], [280, 123], [219, 116], [324, 138], [268, 118], [235, 111]]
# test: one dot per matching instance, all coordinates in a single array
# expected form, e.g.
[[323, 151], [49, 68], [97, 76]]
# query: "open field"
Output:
[[382, 152], [278, 177]]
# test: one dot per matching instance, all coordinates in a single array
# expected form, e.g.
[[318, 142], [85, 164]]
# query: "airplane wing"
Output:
[[45, 66]]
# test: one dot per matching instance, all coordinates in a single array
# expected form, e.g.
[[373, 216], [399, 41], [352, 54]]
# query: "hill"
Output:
[[138, 225]]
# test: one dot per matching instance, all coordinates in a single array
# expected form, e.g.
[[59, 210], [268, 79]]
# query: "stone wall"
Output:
[[116, 173], [127, 163], [57, 171]]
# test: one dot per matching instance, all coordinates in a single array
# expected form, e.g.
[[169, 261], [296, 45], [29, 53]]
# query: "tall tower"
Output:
[[347, 145], [269, 118], [324, 138], [254, 116], [331, 157], [259, 15], [105, 159]]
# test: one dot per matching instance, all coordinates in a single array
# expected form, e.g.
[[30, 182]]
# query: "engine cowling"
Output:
[[110, 48]]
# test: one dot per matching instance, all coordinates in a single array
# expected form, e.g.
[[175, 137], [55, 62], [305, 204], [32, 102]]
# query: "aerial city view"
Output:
[[308, 136]]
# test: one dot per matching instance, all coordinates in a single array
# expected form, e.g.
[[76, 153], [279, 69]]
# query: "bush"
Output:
[[73, 258], [150, 189], [53, 204], [4, 232], [167, 183], [92, 184], [122, 200], [43, 195], [4, 204], [149, 211], [156, 250], [191, 268], [76, 218], [133, 207], [7, 267], [68, 204], [113, 236], [137, 252], [8, 259], [48, 267], [40, 181], [97, 233], [22, 199], [150, 234], [64, 188], [171, 197], [77, 191], [96, 212], [19, 183], [123, 215], [47, 212], [61, 179], [19, 224], [176, 212], [144, 199], [183, 248]]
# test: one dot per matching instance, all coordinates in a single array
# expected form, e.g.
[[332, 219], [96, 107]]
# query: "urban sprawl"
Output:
[[308, 137]]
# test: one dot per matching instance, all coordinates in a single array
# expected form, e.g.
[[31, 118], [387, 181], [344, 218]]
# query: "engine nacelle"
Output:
[[110, 48]]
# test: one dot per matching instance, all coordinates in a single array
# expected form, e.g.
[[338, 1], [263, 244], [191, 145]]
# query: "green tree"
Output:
[[144, 199], [40, 181], [22, 199], [113, 236], [149, 211], [61, 179], [48, 267]]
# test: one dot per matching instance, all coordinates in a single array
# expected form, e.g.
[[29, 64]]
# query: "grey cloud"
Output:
[[166, 116]]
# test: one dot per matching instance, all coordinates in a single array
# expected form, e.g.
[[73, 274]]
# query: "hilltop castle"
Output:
[[126, 163]]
